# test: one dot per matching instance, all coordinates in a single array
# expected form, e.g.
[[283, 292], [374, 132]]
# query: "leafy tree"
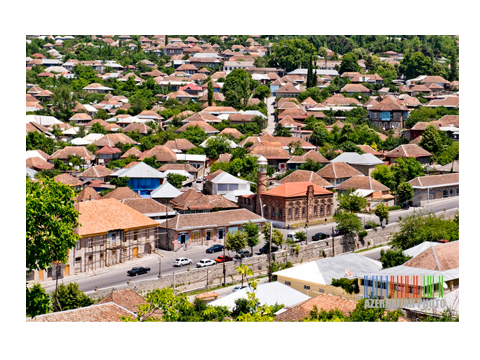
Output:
[[349, 201], [240, 81], [232, 99], [260, 121], [363, 314], [349, 285], [63, 102], [262, 92], [245, 271], [384, 175], [450, 154], [301, 235], [210, 93], [347, 222], [405, 192], [453, 75], [47, 173], [97, 128], [310, 165], [382, 212], [120, 181], [282, 131], [38, 141], [349, 64], [392, 258], [277, 236], [195, 135], [431, 140], [70, 297], [291, 54], [406, 169], [38, 302], [217, 146], [253, 234], [236, 241], [415, 64], [50, 221], [176, 179], [295, 148], [419, 227], [320, 134], [196, 151]]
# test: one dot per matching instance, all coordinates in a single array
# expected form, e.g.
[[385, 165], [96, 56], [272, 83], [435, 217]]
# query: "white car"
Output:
[[205, 262], [182, 261]]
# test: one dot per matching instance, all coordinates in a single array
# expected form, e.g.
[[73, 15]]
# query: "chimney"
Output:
[[443, 241]]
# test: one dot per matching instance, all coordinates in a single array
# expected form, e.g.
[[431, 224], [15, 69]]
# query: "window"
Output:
[[328, 209], [222, 187], [220, 234], [321, 209], [280, 213], [306, 287], [30, 275], [458, 189], [445, 193], [288, 283], [396, 124], [233, 187], [266, 210], [90, 243], [320, 290], [314, 210], [452, 192], [296, 212], [209, 235], [303, 211], [77, 245], [375, 124]]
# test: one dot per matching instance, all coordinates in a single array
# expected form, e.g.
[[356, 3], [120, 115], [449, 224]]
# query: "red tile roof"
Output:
[[296, 189]]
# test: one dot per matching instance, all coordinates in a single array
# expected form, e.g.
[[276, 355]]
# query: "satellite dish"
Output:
[[348, 272], [70, 164]]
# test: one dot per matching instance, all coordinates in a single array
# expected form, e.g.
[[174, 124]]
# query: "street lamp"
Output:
[[159, 268]]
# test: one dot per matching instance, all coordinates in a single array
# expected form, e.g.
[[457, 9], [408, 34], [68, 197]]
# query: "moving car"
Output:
[[291, 236], [338, 232], [319, 236], [243, 254], [182, 261], [223, 258], [139, 270], [214, 249], [264, 249], [206, 262]]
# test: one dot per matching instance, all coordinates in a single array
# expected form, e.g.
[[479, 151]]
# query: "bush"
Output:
[[395, 207], [362, 234], [373, 224]]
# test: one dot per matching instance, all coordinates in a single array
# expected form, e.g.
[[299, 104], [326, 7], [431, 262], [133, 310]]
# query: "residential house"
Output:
[[149, 207], [434, 187], [79, 151], [287, 90], [453, 167], [209, 129], [38, 163], [162, 154], [406, 151], [351, 89], [365, 163], [229, 66], [231, 132], [179, 145], [302, 176], [121, 193], [105, 312], [97, 88], [132, 151], [165, 193], [143, 179], [388, 114], [275, 154], [69, 180], [369, 188], [222, 183], [204, 228], [107, 154], [88, 194], [337, 172], [313, 155], [142, 129], [97, 172], [448, 102], [189, 169], [113, 139]]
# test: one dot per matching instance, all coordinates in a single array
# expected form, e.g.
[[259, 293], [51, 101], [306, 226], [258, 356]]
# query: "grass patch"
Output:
[[370, 248]]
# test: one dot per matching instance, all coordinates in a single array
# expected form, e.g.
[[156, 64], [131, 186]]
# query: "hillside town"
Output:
[[241, 177]]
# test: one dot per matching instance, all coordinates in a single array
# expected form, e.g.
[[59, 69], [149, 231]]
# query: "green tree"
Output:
[[291, 54], [253, 234], [310, 165], [70, 297], [262, 92], [301, 236], [216, 146], [51, 220], [405, 192], [349, 64], [453, 74], [415, 64], [38, 302], [320, 134], [383, 213], [349, 223], [195, 135], [277, 236], [176, 179], [406, 169], [63, 102], [431, 140], [418, 227], [232, 99], [349, 201], [120, 181], [97, 128], [245, 271], [392, 258], [282, 131], [38, 141], [196, 151], [363, 314], [384, 175], [349, 285], [236, 241], [210, 93]]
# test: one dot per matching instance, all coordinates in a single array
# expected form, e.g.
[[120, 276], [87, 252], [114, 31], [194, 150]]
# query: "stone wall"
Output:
[[197, 278]]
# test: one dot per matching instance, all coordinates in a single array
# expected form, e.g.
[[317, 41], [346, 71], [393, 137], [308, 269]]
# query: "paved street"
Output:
[[271, 117], [117, 275]]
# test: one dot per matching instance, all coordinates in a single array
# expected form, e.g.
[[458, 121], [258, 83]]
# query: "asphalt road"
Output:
[[117, 275]]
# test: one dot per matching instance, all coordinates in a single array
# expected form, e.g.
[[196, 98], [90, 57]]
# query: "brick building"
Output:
[[434, 187]]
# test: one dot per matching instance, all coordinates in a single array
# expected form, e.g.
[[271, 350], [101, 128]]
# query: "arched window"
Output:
[[321, 209], [314, 210], [452, 192], [296, 212], [289, 213], [280, 213], [266, 210], [328, 209], [445, 193]]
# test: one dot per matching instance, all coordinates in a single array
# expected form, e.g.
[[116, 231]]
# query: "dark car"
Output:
[[338, 232], [138, 271], [265, 249], [319, 236], [222, 258], [243, 254], [214, 249], [405, 206]]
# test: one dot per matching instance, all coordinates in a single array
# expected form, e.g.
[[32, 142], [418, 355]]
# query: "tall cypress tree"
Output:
[[210, 93], [453, 76]]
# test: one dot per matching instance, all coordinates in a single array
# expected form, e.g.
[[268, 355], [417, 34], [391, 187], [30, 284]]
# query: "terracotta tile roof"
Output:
[[88, 194], [339, 99], [219, 75], [422, 125], [309, 101], [94, 121], [30, 98], [408, 150], [454, 166], [209, 202], [388, 104], [213, 175], [316, 114], [355, 88], [97, 171], [68, 179], [350, 74], [38, 164], [312, 154], [218, 218], [362, 182], [112, 139], [417, 140], [326, 302], [179, 144], [121, 193], [63, 126], [79, 151], [285, 140], [108, 150], [371, 101], [162, 152], [411, 101], [302, 176], [232, 131], [209, 129], [368, 149], [338, 170], [106, 312], [150, 113], [141, 128], [131, 164], [420, 88], [270, 151], [438, 258], [288, 89], [288, 121], [188, 195], [435, 180], [102, 216], [433, 79], [145, 206], [132, 151], [240, 117], [187, 167], [224, 158], [292, 189], [294, 113], [447, 120], [34, 127]]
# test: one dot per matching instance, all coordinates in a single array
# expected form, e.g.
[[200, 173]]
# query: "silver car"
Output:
[[182, 261], [206, 262]]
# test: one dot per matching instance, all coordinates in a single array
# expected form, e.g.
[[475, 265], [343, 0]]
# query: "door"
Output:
[[135, 252], [40, 275], [67, 270]]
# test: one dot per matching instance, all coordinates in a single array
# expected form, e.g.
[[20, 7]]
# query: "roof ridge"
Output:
[[436, 260], [334, 173]]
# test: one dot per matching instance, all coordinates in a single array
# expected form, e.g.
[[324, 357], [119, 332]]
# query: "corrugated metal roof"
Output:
[[357, 159], [141, 170], [408, 270]]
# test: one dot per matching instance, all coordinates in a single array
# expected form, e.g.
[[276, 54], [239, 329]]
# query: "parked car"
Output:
[[239, 287], [138, 271], [319, 236], [206, 262], [182, 261], [405, 206], [214, 249], [243, 254], [222, 258], [291, 236], [264, 249], [338, 232]]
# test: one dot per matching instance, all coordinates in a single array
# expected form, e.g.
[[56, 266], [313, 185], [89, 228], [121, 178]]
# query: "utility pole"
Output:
[[306, 235], [428, 199], [207, 278], [174, 283], [333, 242], [270, 256], [224, 272]]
